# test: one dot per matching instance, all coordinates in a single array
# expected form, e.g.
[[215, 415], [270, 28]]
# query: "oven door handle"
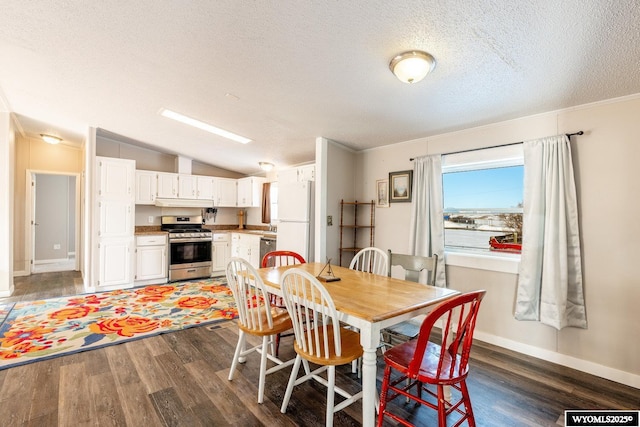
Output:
[[190, 240]]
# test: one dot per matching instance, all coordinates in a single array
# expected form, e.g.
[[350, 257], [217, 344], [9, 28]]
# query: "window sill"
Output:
[[504, 263]]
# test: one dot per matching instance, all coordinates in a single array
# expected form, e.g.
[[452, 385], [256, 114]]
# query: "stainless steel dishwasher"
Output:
[[267, 244]]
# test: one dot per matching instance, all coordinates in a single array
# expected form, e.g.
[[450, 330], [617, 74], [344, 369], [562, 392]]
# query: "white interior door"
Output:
[[53, 227]]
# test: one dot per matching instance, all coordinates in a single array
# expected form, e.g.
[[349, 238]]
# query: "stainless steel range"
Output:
[[189, 247]]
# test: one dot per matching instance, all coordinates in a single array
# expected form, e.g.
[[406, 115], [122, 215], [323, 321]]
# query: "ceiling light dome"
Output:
[[266, 166], [412, 66], [50, 139]]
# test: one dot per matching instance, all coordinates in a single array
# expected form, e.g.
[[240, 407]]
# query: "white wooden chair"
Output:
[[255, 317], [371, 260], [319, 338], [278, 259]]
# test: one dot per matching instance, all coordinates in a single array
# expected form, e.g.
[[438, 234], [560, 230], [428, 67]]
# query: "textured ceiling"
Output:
[[285, 72]]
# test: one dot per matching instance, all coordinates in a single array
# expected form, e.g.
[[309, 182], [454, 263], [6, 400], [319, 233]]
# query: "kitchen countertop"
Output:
[[142, 230], [261, 233]]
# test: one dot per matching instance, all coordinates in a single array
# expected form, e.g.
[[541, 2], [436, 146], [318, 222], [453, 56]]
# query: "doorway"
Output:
[[53, 222]]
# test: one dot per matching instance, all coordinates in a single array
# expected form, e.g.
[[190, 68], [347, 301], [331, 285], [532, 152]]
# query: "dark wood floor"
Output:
[[180, 379]]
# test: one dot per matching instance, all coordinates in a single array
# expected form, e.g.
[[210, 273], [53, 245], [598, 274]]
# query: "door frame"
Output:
[[29, 233]]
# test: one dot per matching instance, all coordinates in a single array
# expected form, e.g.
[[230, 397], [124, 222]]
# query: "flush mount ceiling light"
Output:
[[266, 166], [204, 126], [50, 139], [412, 66]]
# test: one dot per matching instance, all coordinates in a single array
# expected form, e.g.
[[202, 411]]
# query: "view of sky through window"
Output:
[[498, 188]]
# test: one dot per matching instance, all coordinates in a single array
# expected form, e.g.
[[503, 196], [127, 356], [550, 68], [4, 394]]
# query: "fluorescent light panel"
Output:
[[204, 126]]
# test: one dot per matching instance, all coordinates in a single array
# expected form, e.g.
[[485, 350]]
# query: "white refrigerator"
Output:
[[295, 218]]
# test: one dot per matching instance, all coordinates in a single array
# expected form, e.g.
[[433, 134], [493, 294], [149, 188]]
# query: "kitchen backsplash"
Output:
[[224, 215]]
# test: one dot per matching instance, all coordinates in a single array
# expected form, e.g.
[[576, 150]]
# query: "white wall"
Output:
[[34, 155], [607, 171], [7, 160], [335, 181]]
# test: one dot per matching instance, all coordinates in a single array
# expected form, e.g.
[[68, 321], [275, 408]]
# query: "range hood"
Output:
[[184, 203]]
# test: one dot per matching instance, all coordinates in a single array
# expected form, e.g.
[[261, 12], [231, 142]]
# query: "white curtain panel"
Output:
[[427, 221], [550, 274]]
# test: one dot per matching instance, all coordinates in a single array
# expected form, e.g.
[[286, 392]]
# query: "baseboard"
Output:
[[20, 273], [51, 261], [622, 377], [7, 293]]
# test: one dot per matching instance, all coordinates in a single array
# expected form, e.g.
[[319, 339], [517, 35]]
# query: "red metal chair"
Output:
[[425, 363], [278, 259]]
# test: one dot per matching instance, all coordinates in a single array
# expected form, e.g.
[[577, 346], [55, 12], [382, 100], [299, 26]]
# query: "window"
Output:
[[273, 195], [483, 194]]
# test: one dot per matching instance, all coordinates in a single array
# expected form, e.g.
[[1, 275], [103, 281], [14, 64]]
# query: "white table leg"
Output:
[[370, 341]]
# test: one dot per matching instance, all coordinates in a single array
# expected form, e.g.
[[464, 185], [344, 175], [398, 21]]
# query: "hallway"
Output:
[[45, 285]]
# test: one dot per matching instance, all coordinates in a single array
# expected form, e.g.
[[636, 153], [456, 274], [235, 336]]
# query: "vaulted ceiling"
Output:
[[285, 72]]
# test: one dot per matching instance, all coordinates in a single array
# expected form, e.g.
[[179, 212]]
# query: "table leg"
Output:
[[370, 341]]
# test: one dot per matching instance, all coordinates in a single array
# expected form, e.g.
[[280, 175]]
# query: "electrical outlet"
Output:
[[150, 219], [329, 219], [56, 246]]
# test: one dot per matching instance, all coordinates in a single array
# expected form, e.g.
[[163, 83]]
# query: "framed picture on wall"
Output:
[[400, 186], [382, 193]]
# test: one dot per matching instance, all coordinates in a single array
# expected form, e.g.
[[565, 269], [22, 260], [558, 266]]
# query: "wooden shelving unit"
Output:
[[351, 236]]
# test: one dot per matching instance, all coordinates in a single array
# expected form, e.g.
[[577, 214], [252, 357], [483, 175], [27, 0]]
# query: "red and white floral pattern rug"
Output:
[[54, 327]]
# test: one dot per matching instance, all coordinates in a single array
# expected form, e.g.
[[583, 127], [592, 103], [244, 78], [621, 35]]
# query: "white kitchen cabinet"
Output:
[[226, 190], [250, 192], [116, 218], [115, 263], [204, 186], [221, 253], [307, 173], [167, 185], [115, 199], [151, 259], [246, 246], [146, 187], [299, 174], [186, 186], [115, 178]]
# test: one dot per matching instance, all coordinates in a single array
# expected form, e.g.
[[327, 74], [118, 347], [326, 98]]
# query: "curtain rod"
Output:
[[569, 135]]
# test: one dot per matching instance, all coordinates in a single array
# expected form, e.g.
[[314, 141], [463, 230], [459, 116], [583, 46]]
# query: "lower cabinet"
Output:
[[221, 253], [115, 260], [151, 259], [246, 246]]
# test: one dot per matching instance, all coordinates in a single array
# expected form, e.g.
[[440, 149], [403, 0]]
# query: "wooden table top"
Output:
[[368, 296]]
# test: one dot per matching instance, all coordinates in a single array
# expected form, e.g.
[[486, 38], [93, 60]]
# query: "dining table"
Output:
[[369, 302]]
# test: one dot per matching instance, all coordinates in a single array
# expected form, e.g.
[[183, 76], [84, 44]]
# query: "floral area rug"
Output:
[[35, 330]]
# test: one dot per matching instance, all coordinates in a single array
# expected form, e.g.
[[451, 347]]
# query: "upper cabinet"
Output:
[[250, 192], [146, 187], [204, 187], [167, 185], [299, 174], [307, 173], [225, 192], [186, 186]]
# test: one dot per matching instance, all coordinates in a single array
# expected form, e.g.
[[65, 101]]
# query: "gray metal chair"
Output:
[[413, 265]]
